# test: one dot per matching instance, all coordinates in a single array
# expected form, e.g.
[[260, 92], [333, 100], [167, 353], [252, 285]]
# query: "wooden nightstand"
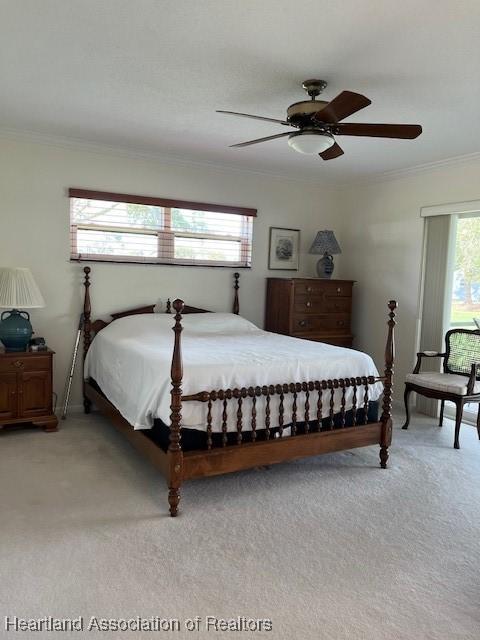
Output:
[[26, 389]]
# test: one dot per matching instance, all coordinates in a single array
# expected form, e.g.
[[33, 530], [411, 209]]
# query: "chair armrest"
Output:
[[474, 372], [426, 354]]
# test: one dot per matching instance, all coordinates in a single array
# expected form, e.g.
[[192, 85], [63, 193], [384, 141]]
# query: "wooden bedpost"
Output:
[[175, 455], [386, 418], [87, 337], [236, 287]]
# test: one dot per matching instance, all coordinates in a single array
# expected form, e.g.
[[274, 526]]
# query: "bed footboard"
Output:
[[283, 435]]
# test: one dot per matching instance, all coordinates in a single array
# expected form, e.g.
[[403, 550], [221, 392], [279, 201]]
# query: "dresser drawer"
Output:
[[337, 340], [305, 303], [14, 363], [323, 287], [333, 323]]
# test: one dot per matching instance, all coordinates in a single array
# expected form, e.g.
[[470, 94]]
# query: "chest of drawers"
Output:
[[310, 308]]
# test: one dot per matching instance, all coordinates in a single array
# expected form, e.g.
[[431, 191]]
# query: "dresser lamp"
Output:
[[326, 245], [18, 290]]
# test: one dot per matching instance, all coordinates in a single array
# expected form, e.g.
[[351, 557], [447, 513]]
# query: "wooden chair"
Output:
[[459, 382]]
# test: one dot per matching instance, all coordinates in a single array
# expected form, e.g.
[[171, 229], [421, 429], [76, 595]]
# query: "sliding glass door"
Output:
[[464, 301]]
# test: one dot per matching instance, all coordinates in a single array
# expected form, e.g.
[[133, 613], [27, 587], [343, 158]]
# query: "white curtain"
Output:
[[439, 260]]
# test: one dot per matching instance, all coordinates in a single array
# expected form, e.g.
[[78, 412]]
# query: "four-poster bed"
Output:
[[272, 422]]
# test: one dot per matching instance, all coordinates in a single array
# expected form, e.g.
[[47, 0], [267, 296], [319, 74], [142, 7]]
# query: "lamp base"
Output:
[[325, 266], [15, 330]]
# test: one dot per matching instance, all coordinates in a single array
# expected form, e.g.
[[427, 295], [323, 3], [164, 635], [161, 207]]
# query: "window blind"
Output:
[[126, 228]]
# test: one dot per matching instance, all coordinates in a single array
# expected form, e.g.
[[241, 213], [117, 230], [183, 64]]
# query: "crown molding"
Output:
[[77, 144], [72, 143], [398, 174]]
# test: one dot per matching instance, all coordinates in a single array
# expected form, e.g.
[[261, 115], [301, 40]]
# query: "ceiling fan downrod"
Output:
[[314, 87]]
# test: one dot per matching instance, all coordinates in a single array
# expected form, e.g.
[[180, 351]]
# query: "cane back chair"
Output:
[[459, 382]]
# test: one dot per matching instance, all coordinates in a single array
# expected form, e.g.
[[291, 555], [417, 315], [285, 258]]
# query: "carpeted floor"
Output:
[[327, 548]]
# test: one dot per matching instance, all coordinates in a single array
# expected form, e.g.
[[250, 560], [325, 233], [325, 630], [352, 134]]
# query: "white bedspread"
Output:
[[130, 359]]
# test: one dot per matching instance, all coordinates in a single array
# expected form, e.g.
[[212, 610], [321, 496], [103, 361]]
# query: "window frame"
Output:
[[166, 235]]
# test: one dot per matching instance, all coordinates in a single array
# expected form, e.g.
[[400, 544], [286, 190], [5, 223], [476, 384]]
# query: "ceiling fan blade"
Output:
[[342, 106], [406, 131], [247, 115], [246, 144], [334, 152]]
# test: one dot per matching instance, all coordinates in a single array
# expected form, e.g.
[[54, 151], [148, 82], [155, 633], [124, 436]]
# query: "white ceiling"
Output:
[[148, 75]]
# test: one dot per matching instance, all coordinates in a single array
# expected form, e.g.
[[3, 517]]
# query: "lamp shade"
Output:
[[18, 289], [325, 242]]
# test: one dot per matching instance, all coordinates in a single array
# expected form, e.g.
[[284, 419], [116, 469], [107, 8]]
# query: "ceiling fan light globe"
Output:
[[310, 142]]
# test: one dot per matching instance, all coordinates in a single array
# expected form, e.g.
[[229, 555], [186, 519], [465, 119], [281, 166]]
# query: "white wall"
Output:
[[378, 226], [34, 232], [383, 251]]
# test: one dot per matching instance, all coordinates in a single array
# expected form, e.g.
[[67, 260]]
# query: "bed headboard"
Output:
[[90, 328]]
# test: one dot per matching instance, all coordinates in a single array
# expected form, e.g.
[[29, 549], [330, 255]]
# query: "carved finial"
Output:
[[87, 309], [178, 306], [169, 306], [86, 271], [236, 286]]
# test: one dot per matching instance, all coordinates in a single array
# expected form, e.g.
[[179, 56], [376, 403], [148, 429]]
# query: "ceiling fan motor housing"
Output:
[[303, 111]]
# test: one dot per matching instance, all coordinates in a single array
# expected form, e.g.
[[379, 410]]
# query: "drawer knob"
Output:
[[340, 323], [303, 323], [18, 363], [308, 304], [339, 290], [309, 289]]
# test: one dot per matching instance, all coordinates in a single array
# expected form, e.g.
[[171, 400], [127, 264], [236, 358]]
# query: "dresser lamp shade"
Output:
[[325, 244], [18, 291]]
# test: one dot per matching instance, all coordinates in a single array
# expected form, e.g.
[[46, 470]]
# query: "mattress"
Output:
[[194, 440], [130, 360]]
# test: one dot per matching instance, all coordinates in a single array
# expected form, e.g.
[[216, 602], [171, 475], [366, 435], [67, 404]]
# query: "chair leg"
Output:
[[406, 396], [478, 421], [442, 407], [458, 423]]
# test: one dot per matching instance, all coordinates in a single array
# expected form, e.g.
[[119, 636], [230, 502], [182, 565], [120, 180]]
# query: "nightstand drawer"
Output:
[[16, 363]]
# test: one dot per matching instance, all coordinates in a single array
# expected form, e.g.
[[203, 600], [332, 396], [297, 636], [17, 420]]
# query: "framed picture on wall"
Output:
[[284, 249]]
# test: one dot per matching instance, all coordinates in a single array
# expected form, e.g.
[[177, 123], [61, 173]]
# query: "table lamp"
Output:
[[326, 244], [18, 290]]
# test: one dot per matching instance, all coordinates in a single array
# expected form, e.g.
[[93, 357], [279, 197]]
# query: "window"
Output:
[[125, 228], [465, 297]]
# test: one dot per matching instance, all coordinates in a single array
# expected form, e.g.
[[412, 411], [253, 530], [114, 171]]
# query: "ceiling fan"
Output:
[[318, 121]]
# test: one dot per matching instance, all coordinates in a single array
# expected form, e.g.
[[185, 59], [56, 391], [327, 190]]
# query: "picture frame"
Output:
[[284, 249]]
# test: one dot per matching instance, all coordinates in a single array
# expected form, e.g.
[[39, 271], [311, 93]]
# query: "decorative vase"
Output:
[[15, 330], [325, 266]]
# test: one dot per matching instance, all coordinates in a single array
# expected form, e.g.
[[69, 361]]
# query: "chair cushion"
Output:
[[446, 382]]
